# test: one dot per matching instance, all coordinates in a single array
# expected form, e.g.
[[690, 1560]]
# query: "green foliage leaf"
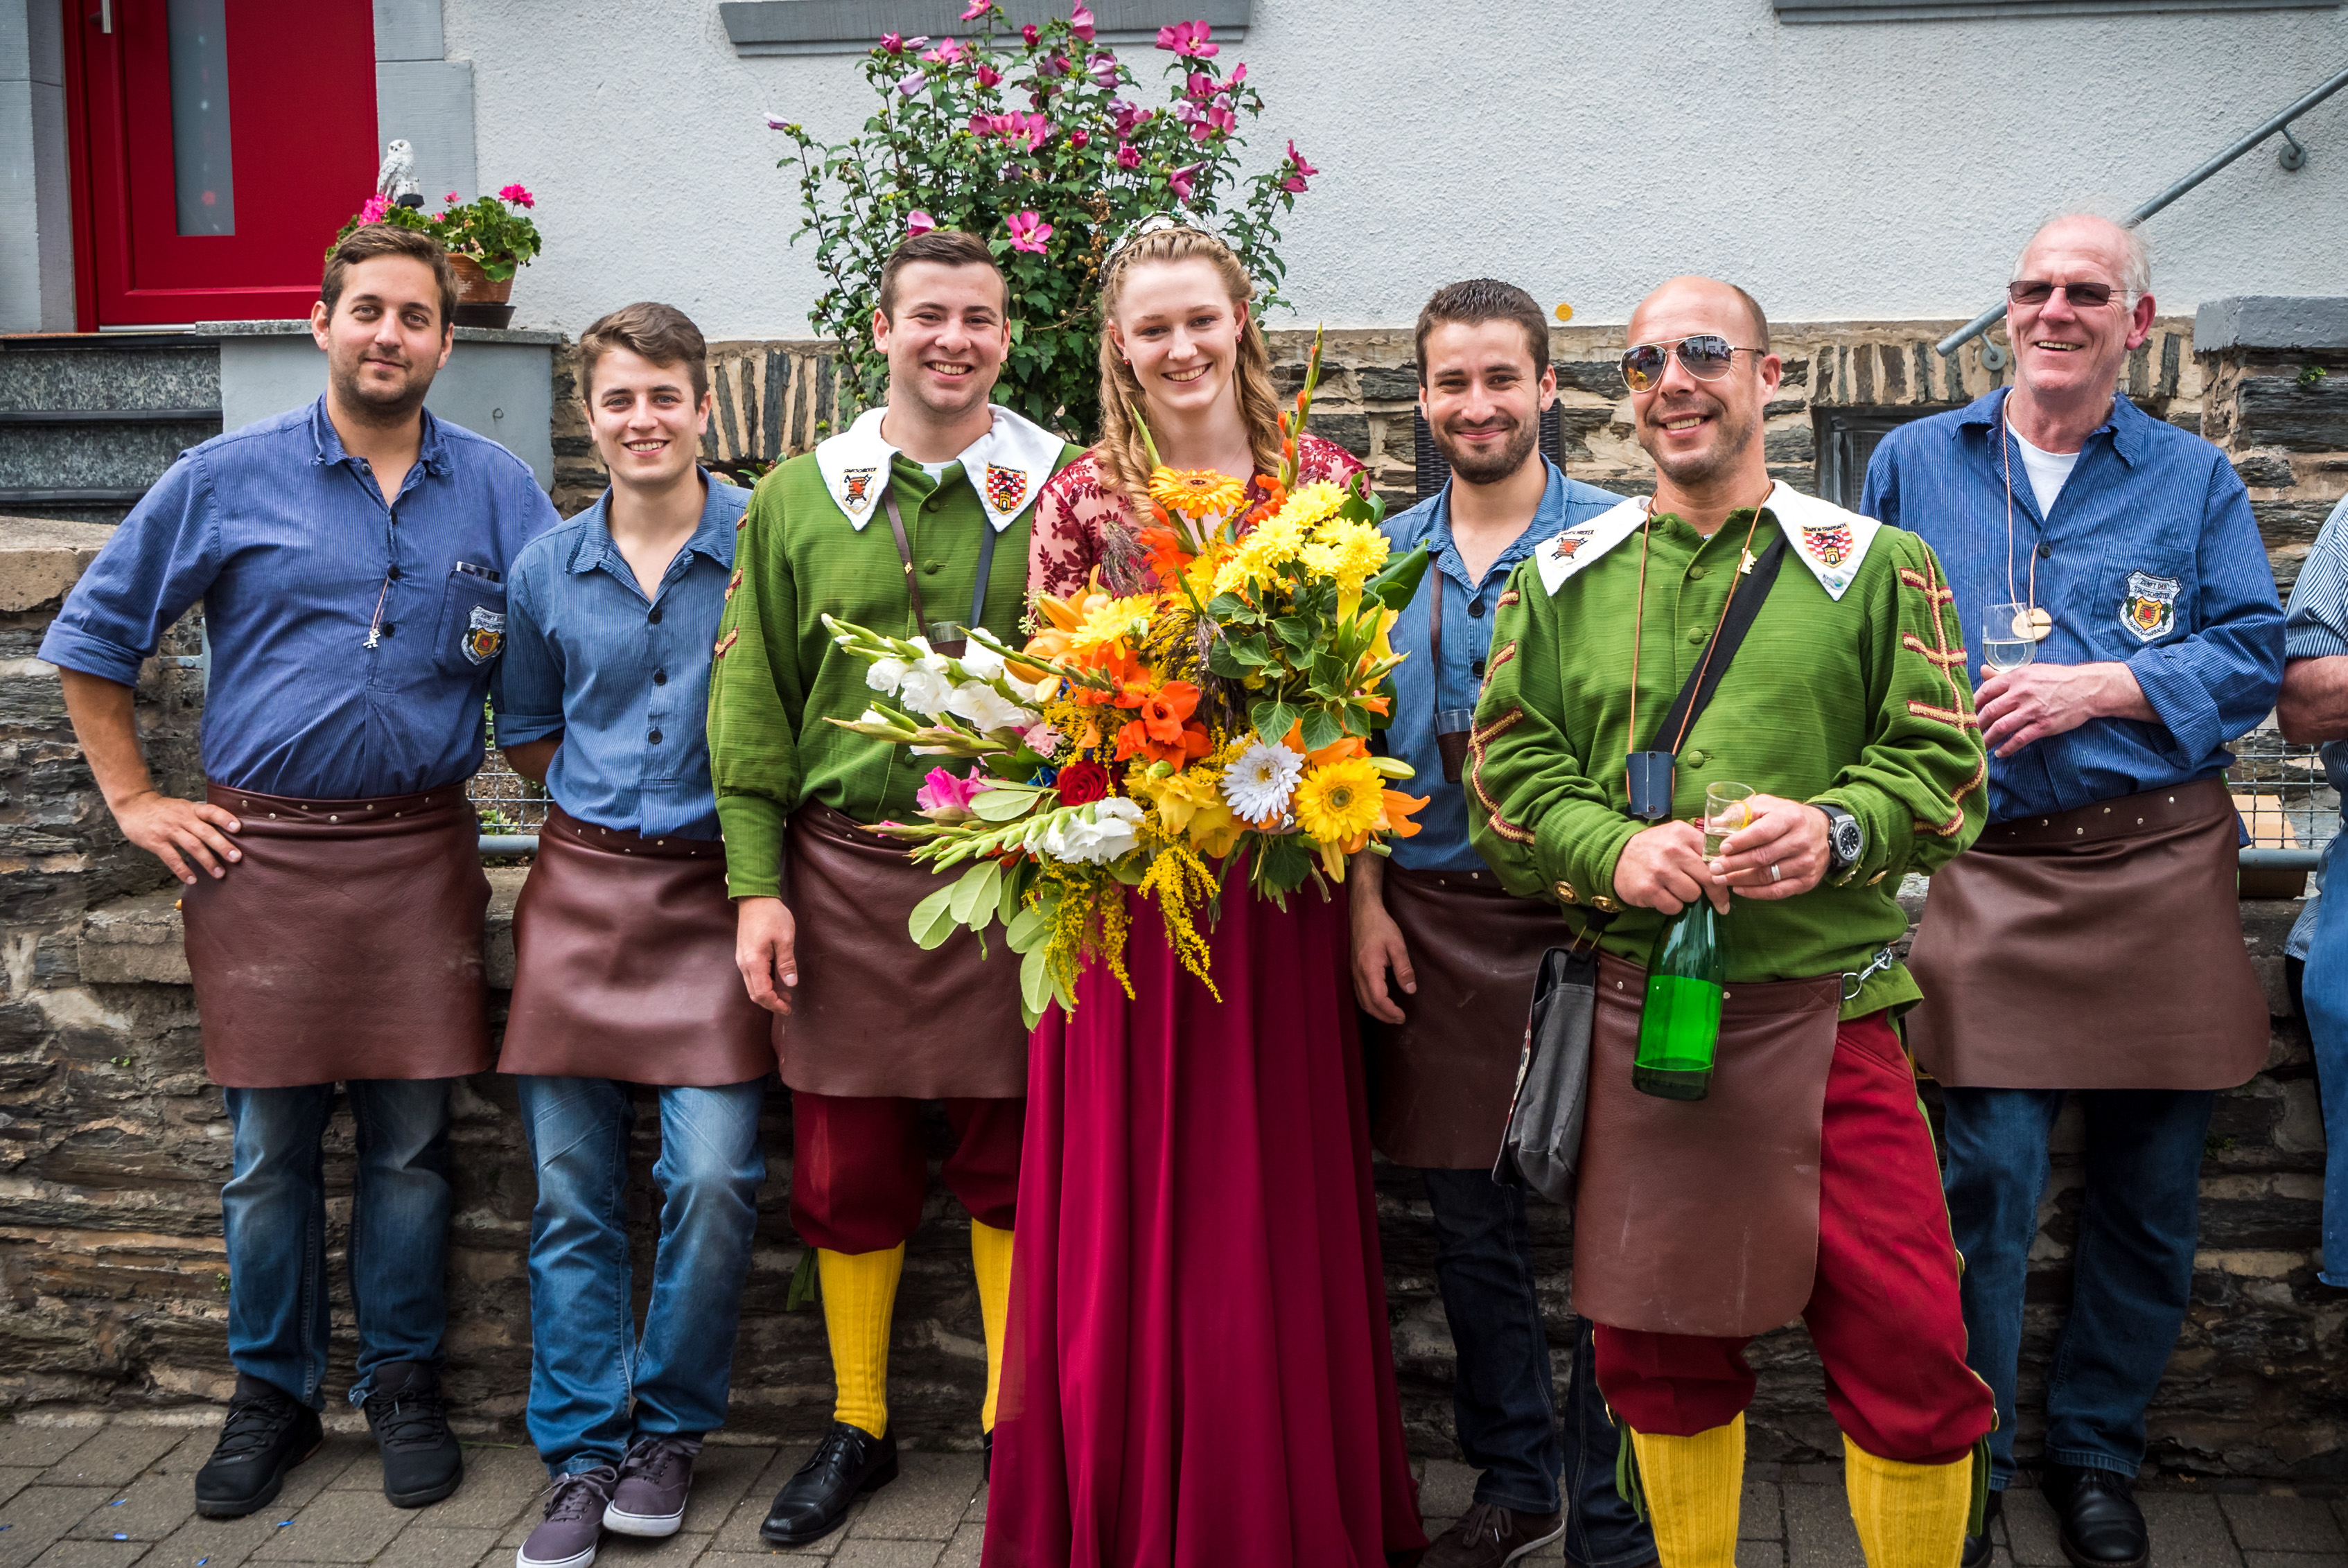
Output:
[[1027, 928], [1003, 804], [1394, 586], [1035, 989], [1321, 729], [1272, 721], [974, 896], [933, 919], [1283, 864]]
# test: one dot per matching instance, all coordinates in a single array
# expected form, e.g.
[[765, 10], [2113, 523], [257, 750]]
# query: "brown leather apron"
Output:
[[2099, 949], [347, 943], [1702, 1217], [872, 1014], [1441, 1081], [624, 963]]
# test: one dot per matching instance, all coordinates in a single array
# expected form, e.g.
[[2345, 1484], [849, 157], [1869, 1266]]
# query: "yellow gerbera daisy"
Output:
[[1196, 493], [1339, 801]]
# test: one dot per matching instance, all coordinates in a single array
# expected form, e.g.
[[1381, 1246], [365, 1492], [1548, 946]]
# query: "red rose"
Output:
[[1081, 784]]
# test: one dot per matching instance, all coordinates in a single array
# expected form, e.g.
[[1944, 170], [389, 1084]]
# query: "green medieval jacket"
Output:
[[816, 541], [1851, 688]]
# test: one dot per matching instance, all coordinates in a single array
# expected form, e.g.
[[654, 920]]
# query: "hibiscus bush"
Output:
[[1034, 139]]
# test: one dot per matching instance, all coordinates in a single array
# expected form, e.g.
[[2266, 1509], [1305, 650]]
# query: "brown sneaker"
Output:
[[1488, 1535]]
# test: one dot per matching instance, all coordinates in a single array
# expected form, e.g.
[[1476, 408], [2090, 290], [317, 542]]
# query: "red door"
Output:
[[218, 145]]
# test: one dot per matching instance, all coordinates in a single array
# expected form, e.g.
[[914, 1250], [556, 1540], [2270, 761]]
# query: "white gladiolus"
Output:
[[885, 675], [924, 690], [980, 663], [988, 709]]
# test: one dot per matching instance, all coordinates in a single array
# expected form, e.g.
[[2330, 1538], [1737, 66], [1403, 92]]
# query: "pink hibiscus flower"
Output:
[[1188, 39], [1028, 232]]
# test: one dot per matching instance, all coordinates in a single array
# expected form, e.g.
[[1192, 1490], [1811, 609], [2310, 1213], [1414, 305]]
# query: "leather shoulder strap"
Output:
[[905, 555], [1704, 679]]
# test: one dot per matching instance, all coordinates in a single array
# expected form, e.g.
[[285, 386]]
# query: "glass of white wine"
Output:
[[1727, 807], [2007, 643]]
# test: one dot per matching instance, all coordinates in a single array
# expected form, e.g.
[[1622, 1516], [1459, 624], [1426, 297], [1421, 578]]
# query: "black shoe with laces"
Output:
[[268, 1432], [1980, 1548], [848, 1463], [2102, 1526], [421, 1461]]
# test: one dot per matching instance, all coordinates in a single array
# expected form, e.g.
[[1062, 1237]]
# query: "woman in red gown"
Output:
[[1198, 1373]]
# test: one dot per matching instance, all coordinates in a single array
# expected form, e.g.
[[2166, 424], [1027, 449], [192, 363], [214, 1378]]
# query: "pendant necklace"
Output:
[[2033, 623]]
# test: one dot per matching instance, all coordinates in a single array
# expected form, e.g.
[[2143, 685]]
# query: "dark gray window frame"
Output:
[[1799, 10], [850, 26]]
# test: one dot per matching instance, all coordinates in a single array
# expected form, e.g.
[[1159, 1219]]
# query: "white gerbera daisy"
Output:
[[1260, 781]]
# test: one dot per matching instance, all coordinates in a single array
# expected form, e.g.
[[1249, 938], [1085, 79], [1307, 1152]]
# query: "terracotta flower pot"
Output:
[[481, 300]]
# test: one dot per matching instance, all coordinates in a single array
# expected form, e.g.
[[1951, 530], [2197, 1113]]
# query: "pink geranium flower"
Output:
[[517, 196], [918, 222], [1180, 180], [372, 209], [1028, 232], [1128, 157], [1080, 22], [1188, 39], [450, 199]]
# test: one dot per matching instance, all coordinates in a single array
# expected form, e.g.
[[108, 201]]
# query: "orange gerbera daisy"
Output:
[[1196, 493]]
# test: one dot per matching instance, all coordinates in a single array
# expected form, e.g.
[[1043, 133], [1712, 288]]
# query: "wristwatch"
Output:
[[1845, 839]]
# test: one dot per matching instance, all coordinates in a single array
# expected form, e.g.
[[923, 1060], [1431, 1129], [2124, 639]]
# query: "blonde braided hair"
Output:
[[1120, 454]]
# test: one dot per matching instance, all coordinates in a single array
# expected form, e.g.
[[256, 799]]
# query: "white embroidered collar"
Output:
[[1826, 538], [1006, 466]]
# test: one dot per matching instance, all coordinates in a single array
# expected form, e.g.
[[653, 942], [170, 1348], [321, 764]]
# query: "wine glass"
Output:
[[2007, 642], [1727, 807]]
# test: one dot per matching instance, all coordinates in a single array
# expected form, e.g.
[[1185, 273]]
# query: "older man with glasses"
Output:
[[2090, 945]]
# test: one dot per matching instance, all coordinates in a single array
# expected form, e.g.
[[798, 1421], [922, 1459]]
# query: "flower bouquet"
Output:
[[1161, 741]]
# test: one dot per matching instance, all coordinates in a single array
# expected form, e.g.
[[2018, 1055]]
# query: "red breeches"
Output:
[[859, 1172], [1884, 1312]]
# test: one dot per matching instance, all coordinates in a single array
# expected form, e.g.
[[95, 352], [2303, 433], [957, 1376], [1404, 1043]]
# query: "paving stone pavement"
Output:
[[111, 1495]]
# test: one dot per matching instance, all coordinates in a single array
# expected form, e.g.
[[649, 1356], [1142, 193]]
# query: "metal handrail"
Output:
[[2292, 157]]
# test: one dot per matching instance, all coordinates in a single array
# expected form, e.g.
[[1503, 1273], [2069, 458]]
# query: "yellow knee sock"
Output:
[[989, 1256], [1694, 1488], [1909, 1515], [859, 1297]]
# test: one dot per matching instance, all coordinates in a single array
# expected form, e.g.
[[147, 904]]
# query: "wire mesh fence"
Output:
[[2280, 790]]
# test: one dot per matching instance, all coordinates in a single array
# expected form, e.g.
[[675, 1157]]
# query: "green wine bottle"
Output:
[[1679, 1027]]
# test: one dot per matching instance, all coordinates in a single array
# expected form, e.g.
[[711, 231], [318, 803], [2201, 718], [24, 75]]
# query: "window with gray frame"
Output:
[[1847, 436], [850, 26], [1950, 10]]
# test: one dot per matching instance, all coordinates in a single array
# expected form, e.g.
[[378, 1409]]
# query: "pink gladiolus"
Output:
[[1031, 34], [943, 791], [977, 8], [1028, 232], [1128, 157], [988, 76], [1080, 22], [372, 209], [517, 196], [1180, 180], [1188, 39], [918, 222]]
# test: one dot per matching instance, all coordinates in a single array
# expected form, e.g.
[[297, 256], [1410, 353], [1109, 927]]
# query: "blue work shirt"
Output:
[[621, 675], [1441, 843], [2316, 627], [286, 538], [2151, 559]]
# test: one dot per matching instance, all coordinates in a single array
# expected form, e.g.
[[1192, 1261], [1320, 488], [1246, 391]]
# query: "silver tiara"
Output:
[[1157, 222]]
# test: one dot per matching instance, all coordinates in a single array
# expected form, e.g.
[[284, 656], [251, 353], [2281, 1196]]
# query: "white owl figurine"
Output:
[[396, 178]]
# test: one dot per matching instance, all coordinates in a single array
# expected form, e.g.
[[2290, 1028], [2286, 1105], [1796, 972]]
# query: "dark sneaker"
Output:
[[421, 1461], [1980, 1548], [848, 1463], [573, 1525], [1488, 1535], [654, 1480], [268, 1432], [2102, 1526]]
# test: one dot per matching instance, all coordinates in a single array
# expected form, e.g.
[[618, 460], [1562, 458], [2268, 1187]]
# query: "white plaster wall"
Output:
[[1584, 149]]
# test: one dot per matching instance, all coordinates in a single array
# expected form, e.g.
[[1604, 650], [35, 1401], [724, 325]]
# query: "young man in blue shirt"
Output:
[[623, 948], [1444, 959], [351, 557], [2089, 944]]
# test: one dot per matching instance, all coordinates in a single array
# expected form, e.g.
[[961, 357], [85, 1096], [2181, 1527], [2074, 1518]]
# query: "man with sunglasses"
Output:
[[1804, 1181], [2090, 946]]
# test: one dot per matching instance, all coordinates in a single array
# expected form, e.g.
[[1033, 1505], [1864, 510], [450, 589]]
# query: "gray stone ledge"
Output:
[[2271, 321], [532, 335], [41, 558], [138, 941]]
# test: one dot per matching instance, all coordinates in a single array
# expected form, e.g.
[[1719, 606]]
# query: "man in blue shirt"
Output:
[[2090, 943], [1435, 926], [623, 948], [351, 557]]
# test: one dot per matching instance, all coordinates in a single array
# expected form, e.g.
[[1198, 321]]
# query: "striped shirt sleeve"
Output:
[[2316, 624]]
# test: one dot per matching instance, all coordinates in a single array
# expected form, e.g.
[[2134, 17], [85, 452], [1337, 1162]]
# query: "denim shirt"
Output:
[[621, 676], [1441, 843], [2151, 558], [287, 539], [2316, 627]]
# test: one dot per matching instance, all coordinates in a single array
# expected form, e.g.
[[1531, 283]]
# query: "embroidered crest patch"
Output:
[[1828, 543], [484, 635], [1568, 544], [1006, 488], [2149, 609], [856, 486]]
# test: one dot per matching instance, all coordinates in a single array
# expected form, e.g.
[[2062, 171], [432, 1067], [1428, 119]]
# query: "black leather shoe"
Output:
[[2102, 1526], [268, 1432], [987, 1456], [421, 1461], [1978, 1548], [848, 1463]]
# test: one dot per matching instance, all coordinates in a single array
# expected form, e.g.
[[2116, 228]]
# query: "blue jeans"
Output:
[[274, 1211], [2323, 998], [2131, 1270], [586, 1358], [1502, 1403]]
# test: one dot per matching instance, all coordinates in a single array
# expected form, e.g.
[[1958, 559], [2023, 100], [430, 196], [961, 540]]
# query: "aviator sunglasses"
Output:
[[2038, 290], [1707, 356]]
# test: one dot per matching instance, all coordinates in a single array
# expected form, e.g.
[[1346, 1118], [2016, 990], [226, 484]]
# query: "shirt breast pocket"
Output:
[[473, 630], [2142, 596]]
